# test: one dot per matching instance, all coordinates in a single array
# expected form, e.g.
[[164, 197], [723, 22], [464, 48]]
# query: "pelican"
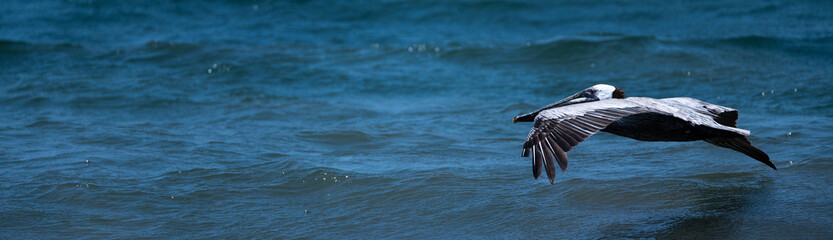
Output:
[[562, 125]]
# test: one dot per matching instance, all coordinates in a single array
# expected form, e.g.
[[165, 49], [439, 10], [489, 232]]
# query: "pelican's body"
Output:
[[562, 125], [675, 119]]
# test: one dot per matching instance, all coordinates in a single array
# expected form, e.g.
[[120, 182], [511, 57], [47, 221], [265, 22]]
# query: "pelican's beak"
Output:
[[529, 117], [573, 99]]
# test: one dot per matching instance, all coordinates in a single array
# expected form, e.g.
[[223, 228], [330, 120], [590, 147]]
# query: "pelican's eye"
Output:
[[589, 93]]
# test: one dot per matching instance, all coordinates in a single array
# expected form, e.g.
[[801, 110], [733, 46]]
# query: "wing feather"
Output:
[[538, 163], [560, 157], [549, 164], [560, 141]]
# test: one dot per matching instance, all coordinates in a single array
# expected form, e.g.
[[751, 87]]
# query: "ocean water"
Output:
[[392, 119]]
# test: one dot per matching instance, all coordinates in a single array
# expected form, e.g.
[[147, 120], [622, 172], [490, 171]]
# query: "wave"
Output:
[[579, 47], [562, 47], [573, 52], [336, 137], [586, 51], [162, 51], [13, 48], [813, 46]]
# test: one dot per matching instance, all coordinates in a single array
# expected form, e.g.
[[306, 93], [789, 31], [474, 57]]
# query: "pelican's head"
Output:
[[595, 93]]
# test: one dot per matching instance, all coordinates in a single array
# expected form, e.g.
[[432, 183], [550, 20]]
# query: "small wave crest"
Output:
[[12, 48], [562, 50]]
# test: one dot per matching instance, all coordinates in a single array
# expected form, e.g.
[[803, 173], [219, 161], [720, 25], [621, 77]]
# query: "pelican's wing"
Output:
[[727, 117], [695, 112], [723, 115], [717, 117], [558, 130]]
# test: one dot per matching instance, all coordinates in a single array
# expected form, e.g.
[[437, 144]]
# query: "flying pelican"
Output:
[[564, 124]]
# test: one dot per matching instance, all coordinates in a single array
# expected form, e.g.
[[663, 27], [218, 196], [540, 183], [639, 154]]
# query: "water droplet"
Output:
[[795, 89], [209, 71], [410, 49], [789, 133], [214, 65]]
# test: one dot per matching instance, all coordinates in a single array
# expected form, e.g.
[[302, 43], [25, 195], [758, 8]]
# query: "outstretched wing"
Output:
[[558, 130], [723, 115], [727, 117]]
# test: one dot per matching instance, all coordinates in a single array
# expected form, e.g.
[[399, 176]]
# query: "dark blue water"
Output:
[[375, 120]]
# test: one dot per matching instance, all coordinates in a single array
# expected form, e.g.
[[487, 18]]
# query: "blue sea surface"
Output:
[[392, 119]]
